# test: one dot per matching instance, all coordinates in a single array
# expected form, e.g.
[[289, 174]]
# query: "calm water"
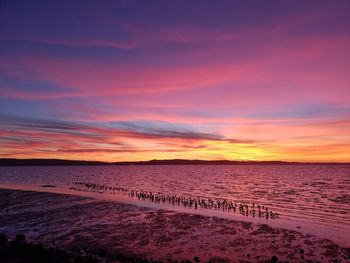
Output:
[[313, 197]]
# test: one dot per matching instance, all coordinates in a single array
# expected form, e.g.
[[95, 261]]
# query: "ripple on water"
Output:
[[312, 193]]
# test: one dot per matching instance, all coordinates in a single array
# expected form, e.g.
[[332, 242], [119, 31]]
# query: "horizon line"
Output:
[[170, 160]]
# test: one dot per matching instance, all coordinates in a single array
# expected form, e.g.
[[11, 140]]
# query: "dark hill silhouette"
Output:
[[60, 162], [45, 162]]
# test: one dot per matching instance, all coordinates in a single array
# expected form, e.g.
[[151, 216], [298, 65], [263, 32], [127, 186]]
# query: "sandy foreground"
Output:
[[69, 221]]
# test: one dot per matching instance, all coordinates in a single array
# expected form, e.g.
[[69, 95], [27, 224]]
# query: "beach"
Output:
[[73, 221]]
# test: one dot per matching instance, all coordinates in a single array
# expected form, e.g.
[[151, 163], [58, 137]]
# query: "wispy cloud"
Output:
[[92, 43], [228, 80], [66, 137]]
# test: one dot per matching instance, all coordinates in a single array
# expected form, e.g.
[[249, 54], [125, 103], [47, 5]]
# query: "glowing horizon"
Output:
[[134, 81]]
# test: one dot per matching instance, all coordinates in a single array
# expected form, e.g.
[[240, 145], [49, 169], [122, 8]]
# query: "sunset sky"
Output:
[[141, 80]]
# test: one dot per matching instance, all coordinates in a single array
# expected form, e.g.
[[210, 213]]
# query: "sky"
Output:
[[190, 79]]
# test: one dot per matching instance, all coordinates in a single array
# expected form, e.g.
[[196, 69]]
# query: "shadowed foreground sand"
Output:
[[68, 221]]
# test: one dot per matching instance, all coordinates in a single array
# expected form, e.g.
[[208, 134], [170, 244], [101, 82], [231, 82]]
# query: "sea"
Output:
[[311, 198]]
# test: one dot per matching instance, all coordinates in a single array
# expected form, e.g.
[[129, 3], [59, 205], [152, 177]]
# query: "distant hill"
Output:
[[45, 162], [59, 162]]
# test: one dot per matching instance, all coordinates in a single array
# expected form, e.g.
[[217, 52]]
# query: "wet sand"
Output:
[[69, 221]]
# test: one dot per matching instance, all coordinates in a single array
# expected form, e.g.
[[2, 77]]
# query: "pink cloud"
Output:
[[279, 67]]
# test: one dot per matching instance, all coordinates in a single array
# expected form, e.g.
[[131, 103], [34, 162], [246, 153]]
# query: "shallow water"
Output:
[[313, 197]]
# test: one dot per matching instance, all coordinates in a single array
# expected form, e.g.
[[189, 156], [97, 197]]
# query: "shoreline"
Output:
[[295, 224], [75, 221]]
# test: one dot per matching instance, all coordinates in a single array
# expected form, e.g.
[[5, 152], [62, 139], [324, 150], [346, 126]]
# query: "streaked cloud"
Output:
[[133, 81]]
